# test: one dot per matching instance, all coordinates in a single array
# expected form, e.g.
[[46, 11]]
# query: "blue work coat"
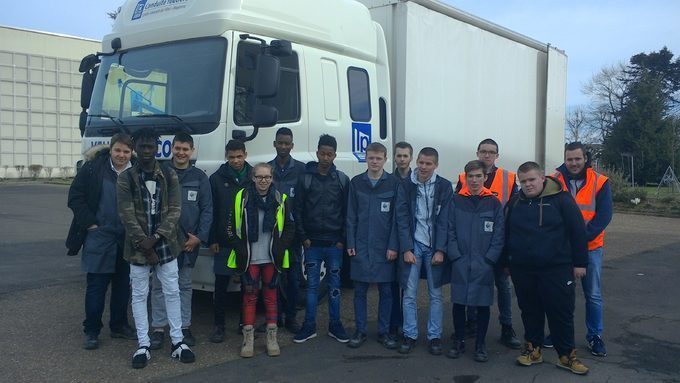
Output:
[[370, 216], [475, 240]]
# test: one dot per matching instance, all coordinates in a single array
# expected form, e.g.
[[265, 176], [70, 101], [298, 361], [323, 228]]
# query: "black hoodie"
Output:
[[545, 231], [224, 184]]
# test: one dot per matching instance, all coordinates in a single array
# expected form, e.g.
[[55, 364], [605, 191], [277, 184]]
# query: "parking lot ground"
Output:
[[41, 311]]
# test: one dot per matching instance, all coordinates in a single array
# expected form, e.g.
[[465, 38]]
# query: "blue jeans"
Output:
[[593, 293], [95, 298], [434, 325], [384, 306], [332, 257]]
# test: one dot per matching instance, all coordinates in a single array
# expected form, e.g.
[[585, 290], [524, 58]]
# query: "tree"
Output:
[[607, 92], [579, 127], [643, 127]]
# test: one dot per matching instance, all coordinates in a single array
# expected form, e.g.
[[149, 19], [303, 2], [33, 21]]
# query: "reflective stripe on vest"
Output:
[[586, 199], [238, 207], [501, 186], [280, 220]]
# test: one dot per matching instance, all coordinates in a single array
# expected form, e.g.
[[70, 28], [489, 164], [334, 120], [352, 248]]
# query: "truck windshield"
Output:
[[170, 87]]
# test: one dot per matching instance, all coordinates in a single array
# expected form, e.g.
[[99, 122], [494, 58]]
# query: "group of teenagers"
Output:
[[133, 219]]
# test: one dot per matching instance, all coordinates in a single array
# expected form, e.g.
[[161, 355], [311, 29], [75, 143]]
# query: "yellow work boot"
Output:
[[248, 340], [572, 364], [530, 355]]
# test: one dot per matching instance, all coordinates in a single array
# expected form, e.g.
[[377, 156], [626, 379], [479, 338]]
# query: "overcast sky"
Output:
[[594, 33]]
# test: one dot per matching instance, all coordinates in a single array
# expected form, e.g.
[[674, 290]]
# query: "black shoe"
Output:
[[407, 345], [480, 353], [182, 352], [470, 329], [357, 340], [141, 357], [435, 346], [217, 335], [156, 339], [509, 338], [388, 341], [91, 342], [456, 350], [125, 332], [189, 339], [292, 325]]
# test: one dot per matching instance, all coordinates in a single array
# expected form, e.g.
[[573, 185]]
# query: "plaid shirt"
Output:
[[152, 203]]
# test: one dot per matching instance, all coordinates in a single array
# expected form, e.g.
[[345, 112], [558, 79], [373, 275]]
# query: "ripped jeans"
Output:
[[332, 256]]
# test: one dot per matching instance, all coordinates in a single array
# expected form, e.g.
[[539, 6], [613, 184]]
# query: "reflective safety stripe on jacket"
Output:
[[586, 199], [501, 186]]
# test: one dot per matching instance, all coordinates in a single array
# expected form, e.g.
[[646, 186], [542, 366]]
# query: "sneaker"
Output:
[[388, 341], [357, 340], [572, 364], [217, 335], [141, 357], [457, 349], [307, 332], [596, 346], [189, 339], [292, 325], [182, 352], [509, 338], [547, 342], [435, 347], [91, 342], [470, 329], [125, 332], [407, 345], [335, 330], [157, 338], [530, 355], [481, 354]]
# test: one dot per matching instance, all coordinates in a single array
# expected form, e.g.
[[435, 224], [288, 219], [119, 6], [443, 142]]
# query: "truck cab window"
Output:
[[287, 100], [359, 94]]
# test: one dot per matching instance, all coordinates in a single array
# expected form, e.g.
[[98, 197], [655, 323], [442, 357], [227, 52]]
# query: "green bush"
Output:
[[621, 190]]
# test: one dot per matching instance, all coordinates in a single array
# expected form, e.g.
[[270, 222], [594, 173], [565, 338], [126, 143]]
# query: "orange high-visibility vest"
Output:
[[586, 199], [501, 186]]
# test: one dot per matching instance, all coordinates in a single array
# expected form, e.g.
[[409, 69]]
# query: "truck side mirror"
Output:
[[265, 116], [267, 76], [280, 48], [87, 87]]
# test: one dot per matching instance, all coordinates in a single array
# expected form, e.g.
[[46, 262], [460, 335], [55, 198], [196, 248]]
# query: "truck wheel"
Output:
[[323, 284]]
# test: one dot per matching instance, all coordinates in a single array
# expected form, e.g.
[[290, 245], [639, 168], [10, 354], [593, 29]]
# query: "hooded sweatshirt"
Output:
[[545, 231]]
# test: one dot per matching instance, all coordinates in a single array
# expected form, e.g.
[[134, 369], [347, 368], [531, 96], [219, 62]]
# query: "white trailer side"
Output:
[[457, 79]]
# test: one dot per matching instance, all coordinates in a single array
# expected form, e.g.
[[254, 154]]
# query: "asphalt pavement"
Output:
[[41, 310]]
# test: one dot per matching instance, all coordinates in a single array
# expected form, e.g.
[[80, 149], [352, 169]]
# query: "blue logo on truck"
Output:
[[139, 10], [361, 137]]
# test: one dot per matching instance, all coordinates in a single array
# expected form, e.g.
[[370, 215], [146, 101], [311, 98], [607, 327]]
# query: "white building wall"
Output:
[[40, 102]]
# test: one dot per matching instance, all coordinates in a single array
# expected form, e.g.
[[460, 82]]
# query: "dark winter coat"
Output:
[[370, 217], [321, 204], [133, 214], [224, 186], [92, 198], [545, 231], [476, 235], [405, 219], [197, 210]]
